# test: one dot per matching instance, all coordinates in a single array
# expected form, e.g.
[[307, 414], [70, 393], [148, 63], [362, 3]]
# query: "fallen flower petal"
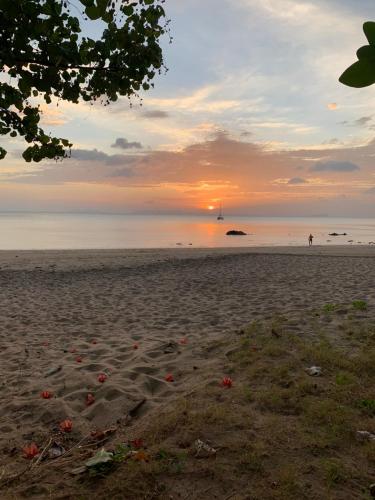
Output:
[[30, 451], [90, 399], [135, 346], [227, 382], [141, 456], [66, 425], [137, 443], [46, 395], [183, 341], [73, 349], [79, 359], [169, 378]]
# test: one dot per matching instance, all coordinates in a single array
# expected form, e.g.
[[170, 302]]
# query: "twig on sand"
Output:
[[45, 449], [7, 480]]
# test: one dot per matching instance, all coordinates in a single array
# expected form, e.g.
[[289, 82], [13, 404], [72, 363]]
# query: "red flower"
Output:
[[45, 343], [135, 346], [94, 342], [90, 399], [183, 341], [30, 451], [79, 359], [137, 443], [73, 349], [66, 425], [46, 395], [227, 382], [102, 377], [169, 377]]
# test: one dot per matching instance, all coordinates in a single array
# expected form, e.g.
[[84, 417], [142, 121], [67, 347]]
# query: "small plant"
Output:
[[329, 307], [334, 472], [343, 379], [121, 452], [359, 305], [368, 405]]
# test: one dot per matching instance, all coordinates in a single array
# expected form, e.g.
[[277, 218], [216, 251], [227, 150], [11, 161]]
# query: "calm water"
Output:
[[73, 231]]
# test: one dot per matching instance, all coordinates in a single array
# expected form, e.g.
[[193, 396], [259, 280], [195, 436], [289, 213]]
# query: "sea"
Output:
[[43, 231]]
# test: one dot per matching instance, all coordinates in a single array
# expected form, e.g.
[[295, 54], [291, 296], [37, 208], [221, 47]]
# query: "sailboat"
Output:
[[220, 216]]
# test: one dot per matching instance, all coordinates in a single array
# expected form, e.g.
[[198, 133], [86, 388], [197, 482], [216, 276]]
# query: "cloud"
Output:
[[247, 176], [359, 122], [331, 141], [93, 155], [122, 172], [334, 166], [297, 180], [204, 99], [363, 120], [52, 116], [156, 113], [123, 143]]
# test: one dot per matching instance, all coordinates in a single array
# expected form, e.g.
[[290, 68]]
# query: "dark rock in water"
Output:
[[337, 234], [233, 232]]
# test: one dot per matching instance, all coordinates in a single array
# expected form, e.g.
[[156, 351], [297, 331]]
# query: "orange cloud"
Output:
[[332, 106], [241, 174]]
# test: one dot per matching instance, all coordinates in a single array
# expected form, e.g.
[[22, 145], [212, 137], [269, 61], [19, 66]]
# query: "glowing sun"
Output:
[[210, 207]]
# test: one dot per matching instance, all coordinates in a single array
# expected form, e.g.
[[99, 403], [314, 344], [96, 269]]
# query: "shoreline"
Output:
[[28, 260]]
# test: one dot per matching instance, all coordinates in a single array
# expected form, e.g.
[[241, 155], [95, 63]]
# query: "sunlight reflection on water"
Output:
[[73, 231]]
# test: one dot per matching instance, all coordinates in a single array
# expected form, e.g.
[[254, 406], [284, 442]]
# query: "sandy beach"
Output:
[[137, 315]]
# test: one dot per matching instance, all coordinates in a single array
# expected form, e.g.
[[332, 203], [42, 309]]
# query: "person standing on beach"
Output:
[[310, 239]]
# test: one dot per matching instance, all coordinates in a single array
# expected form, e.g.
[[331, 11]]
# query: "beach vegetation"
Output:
[[360, 305], [367, 405], [329, 307], [278, 433]]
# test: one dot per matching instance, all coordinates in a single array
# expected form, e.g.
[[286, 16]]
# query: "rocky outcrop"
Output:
[[234, 232]]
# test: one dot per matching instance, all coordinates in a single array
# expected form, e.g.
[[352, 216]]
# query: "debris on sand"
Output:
[[203, 450], [314, 371], [53, 370], [365, 436], [56, 450]]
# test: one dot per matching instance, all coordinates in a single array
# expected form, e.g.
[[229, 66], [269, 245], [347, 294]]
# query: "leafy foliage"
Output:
[[360, 305], [45, 55], [362, 72]]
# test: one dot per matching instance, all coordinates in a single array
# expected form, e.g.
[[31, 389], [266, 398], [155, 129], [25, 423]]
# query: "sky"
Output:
[[250, 114]]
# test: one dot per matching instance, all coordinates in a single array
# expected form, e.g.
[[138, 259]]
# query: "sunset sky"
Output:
[[250, 112]]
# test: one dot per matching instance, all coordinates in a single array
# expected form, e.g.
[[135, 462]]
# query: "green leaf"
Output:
[[366, 52], [93, 12], [127, 10], [360, 74], [102, 6], [101, 457], [369, 30]]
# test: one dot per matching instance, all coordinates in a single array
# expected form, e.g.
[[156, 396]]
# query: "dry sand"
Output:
[[56, 302]]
